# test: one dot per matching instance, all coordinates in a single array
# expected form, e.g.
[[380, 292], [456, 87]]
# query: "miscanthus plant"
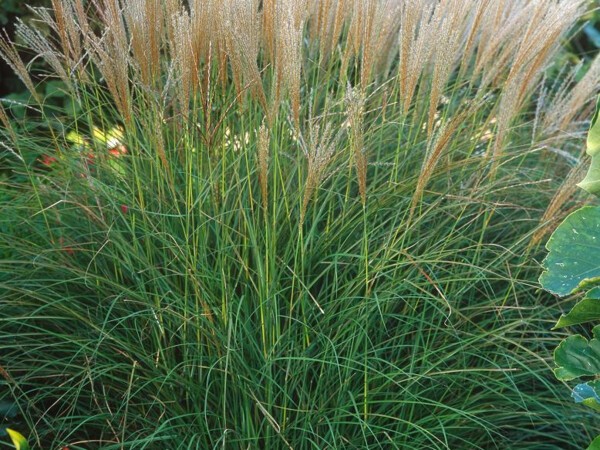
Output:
[[288, 224]]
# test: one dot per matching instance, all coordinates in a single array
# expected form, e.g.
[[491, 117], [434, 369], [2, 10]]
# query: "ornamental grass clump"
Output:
[[287, 224]]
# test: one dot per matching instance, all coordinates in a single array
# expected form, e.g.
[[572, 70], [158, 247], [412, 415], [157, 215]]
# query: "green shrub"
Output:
[[289, 225]]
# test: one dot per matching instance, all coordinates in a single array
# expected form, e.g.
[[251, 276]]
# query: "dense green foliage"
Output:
[[325, 244]]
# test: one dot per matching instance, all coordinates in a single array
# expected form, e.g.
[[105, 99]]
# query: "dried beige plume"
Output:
[[10, 54], [569, 103], [384, 43], [206, 47], [416, 30], [480, 10], [6, 124], [501, 25], [110, 53], [269, 25], [436, 150], [240, 30], [538, 43], [319, 151], [4, 118], [40, 44], [204, 28], [66, 27], [288, 55], [327, 18], [263, 163], [355, 103], [145, 21], [113, 65], [361, 37], [114, 32], [78, 21], [183, 60], [379, 29], [452, 15]]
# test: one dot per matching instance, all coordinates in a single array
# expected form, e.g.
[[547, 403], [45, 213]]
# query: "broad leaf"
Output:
[[18, 439], [576, 357], [593, 138], [587, 393], [573, 261], [587, 310], [595, 445], [591, 182]]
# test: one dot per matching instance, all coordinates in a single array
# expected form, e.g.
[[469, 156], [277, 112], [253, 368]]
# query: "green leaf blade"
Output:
[[593, 137], [573, 261], [588, 394], [591, 182], [577, 357], [595, 445], [587, 310], [18, 439]]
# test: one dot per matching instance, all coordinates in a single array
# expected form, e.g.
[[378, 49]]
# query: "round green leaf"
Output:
[[587, 310], [593, 138], [595, 445], [587, 393], [576, 357], [591, 182], [573, 261]]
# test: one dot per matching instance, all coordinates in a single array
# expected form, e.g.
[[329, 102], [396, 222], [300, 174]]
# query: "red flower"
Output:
[[124, 209], [47, 160], [118, 151]]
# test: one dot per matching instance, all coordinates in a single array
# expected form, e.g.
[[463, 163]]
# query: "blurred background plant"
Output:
[[10, 12], [288, 224]]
